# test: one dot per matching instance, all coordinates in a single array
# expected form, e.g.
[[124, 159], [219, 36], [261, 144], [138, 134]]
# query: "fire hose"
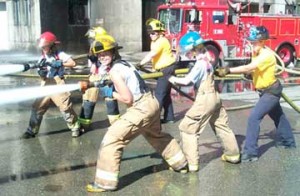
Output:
[[152, 75], [283, 95], [282, 68], [160, 74]]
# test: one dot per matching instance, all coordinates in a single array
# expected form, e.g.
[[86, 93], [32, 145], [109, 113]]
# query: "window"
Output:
[[2, 6], [172, 19], [218, 17], [78, 12], [193, 16], [21, 13]]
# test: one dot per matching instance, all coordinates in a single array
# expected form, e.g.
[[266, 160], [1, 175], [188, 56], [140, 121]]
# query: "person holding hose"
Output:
[[51, 71], [164, 61], [207, 107], [98, 74], [142, 117], [262, 70]]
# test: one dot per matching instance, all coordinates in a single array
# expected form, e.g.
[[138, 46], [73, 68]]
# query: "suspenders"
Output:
[[143, 87]]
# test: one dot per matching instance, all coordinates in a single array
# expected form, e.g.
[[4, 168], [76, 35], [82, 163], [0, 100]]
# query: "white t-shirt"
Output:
[[60, 55], [130, 78]]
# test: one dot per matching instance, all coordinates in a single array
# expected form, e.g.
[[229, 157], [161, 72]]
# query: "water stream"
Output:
[[24, 94], [10, 68]]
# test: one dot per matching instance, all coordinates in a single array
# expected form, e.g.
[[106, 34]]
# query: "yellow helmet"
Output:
[[154, 25], [95, 31], [103, 43]]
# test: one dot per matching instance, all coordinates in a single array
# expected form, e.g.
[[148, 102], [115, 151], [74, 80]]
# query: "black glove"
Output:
[[248, 76], [222, 72], [138, 66], [43, 71], [41, 63], [93, 58]]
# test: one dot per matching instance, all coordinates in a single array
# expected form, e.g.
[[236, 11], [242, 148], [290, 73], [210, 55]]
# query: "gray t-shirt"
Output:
[[199, 72]]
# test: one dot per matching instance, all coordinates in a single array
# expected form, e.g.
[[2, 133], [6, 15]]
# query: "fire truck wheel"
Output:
[[214, 53], [286, 53]]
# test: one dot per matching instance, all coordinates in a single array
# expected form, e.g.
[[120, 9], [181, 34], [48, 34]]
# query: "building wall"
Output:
[[54, 18], [149, 8], [23, 24], [124, 19], [4, 44], [121, 18]]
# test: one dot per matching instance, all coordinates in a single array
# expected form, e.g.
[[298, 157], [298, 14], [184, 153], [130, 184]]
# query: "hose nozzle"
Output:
[[84, 85], [28, 66]]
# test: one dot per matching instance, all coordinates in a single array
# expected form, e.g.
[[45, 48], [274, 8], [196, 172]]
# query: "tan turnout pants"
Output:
[[142, 118], [91, 94], [207, 108], [61, 100]]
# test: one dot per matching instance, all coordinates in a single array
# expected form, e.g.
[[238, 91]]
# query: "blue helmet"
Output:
[[258, 33], [189, 41]]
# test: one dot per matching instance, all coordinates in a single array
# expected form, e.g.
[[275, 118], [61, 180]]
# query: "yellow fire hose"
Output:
[[81, 56], [185, 71], [228, 77]]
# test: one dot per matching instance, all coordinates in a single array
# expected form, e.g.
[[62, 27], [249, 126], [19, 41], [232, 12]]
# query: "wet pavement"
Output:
[[54, 163]]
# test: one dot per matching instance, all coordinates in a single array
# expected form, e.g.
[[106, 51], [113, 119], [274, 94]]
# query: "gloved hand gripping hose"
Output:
[[141, 68], [84, 85], [39, 64]]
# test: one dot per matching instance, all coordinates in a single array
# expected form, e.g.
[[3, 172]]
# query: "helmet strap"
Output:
[[116, 54], [53, 49]]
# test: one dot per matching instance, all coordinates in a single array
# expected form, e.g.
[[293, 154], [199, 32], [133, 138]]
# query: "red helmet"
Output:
[[47, 39]]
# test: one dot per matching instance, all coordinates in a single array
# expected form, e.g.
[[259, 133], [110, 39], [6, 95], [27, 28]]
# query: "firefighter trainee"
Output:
[[98, 74], [262, 70], [142, 117], [51, 72], [207, 107], [162, 60]]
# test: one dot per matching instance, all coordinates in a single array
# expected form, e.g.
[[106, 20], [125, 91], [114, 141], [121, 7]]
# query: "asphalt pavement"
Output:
[[54, 163]]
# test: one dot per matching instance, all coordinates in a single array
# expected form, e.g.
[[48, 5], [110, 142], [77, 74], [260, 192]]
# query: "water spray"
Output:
[[13, 68], [24, 94]]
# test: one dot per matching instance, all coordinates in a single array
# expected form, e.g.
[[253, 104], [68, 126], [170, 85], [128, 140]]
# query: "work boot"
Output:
[[74, 127], [75, 133], [248, 158], [84, 128], [186, 169], [285, 146], [183, 170], [193, 168], [113, 118], [95, 188], [163, 121], [27, 135], [85, 123], [231, 158]]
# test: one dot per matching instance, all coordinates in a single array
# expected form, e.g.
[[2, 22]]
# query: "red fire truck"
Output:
[[226, 24]]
